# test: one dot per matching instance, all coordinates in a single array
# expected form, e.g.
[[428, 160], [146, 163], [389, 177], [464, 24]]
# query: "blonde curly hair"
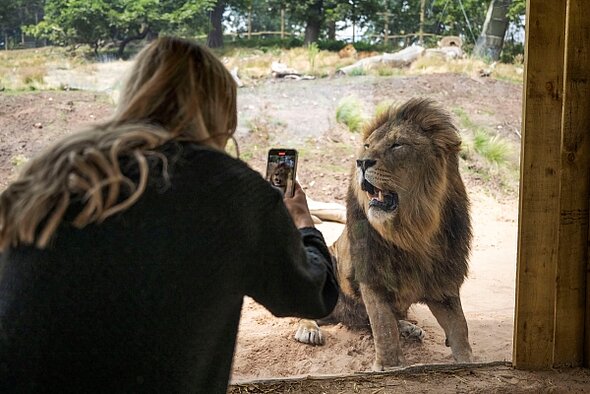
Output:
[[176, 90]]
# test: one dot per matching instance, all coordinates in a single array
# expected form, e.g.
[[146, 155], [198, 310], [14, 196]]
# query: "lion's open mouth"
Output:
[[378, 198]]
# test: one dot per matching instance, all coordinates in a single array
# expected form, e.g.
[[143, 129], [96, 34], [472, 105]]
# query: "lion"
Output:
[[347, 51], [408, 234], [280, 177], [350, 51]]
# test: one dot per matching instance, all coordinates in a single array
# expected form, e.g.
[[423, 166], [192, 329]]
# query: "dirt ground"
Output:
[[301, 114]]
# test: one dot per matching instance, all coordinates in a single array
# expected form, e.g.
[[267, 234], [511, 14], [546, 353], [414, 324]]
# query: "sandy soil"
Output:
[[301, 114]]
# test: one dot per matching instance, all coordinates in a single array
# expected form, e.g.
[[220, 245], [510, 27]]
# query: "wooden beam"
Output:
[[539, 185], [587, 325], [570, 305]]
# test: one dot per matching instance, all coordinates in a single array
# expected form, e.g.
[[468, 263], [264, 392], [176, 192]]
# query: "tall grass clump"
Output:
[[355, 72], [312, 53], [386, 71], [32, 78], [493, 148], [349, 112]]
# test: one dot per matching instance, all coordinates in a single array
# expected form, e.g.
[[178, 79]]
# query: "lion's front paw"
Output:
[[410, 331], [309, 332]]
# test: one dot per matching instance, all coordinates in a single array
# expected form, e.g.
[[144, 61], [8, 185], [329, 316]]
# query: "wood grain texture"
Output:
[[540, 184], [572, 257]]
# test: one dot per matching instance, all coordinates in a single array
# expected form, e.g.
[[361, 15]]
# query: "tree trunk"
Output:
[[314, 22], [250, 21], [332, 30], [127, 40], [282, 21], [215, 36], [422, 11], [490, 42]]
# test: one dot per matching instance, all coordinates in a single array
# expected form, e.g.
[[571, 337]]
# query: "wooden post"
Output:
[[552, 276], [587, 323], [386, 16], [539, 185], [386, 29], [575, 189], [250, 20], [282, 22], [421, 33]]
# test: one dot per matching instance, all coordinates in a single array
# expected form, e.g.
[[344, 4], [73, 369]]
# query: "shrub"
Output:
[[349, 112], [355, 72]]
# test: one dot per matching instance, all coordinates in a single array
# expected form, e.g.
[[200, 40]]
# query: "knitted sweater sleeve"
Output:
[[297, 277]]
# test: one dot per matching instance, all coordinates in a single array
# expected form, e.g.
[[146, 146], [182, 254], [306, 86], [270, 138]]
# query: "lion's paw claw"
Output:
[[309, 332]]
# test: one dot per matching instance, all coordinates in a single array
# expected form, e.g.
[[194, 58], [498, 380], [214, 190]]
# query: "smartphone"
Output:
[[281, 168]]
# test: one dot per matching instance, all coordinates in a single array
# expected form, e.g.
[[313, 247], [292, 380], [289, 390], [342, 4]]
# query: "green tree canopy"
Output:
[[16, 13], [96, 22]]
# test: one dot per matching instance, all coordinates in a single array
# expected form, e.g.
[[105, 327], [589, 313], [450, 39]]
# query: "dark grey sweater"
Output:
[[149, 300]]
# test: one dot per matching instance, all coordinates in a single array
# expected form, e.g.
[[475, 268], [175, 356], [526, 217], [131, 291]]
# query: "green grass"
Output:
[[487, 157], [349, 112], [312, 53], [493, 148], [355, 72], [387, 71]]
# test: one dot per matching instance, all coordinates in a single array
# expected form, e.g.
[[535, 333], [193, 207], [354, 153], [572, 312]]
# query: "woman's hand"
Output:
[[297, 207]]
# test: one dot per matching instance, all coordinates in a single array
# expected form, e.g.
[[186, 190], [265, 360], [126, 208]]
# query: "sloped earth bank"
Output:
[[301, 114]]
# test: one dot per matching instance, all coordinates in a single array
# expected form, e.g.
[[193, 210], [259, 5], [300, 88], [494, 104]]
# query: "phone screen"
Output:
[[281, 168]]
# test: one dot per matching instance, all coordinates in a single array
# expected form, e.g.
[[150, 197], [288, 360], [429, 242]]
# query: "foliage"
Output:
[[512, 52], [331, 45], [263, 15], [312, 54], [97, 22], [15, 13], [461, 18], [74, 22], [494, 149], [516, 12], [357, 71], [349, 112], [101, 22], [265, 42]]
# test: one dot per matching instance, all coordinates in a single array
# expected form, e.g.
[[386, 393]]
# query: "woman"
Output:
[[126, 249]]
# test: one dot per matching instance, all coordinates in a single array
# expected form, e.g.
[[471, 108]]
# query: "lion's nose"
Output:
[[364, 164]]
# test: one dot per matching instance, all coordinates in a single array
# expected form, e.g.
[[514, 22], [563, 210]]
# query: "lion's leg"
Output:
[[309, 332], [388, 352], [449, 315]]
